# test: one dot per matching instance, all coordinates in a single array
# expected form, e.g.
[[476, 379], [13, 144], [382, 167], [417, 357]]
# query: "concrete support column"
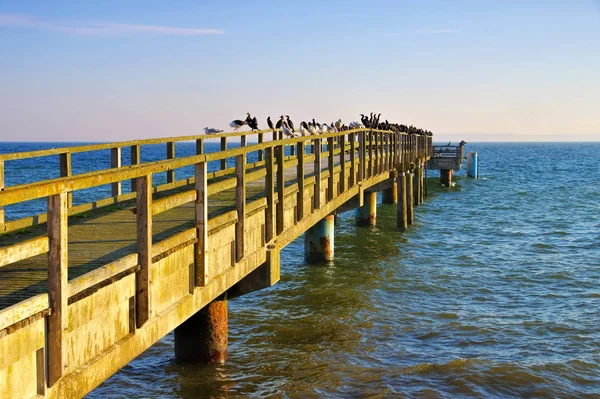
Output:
[[417, 187], [410, 202], [425, 181], [203, 337], [401, 216], [390, 196], [446, 177], [366, 215], [319, 241]]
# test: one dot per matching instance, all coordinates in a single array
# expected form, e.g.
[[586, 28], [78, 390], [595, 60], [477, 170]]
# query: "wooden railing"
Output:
[[351, 158]]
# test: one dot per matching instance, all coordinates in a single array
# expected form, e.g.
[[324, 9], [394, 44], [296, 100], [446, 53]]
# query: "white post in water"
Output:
[[472, 167]]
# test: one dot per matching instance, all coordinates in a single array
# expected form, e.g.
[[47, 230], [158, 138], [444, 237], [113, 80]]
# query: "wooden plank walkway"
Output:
[[106, 235], [81, 299]]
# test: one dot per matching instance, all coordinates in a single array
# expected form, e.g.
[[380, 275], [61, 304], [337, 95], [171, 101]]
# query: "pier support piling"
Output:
[[446, 177], [417, 186], [401, 215], [319, 241], [366, 215], [203, 337], [422, 183], [410, 202], [390, 195]]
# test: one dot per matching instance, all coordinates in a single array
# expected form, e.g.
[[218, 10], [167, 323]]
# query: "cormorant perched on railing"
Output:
[[280, 122], [290, 123], [252, 122], [270, 123], [365, 120]]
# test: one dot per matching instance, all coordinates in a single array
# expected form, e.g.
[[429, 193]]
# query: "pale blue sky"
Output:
[[474, 70]]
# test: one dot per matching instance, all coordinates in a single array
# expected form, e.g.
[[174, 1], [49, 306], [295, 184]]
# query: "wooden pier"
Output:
[[85, 289]]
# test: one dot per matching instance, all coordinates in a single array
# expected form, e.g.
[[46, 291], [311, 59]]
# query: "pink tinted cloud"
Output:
[[95, 28]]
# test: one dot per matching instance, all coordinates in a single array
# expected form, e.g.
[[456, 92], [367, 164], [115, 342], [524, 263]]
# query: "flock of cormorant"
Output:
[[312, 127]]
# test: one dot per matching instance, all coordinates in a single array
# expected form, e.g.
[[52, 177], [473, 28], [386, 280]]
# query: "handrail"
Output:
[[118, 144], [25, 192]]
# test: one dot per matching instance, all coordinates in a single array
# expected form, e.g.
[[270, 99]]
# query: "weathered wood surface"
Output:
[[136, 270], [101, 239]]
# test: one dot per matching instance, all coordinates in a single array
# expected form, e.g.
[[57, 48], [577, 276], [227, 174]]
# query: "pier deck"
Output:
[[87, 288]]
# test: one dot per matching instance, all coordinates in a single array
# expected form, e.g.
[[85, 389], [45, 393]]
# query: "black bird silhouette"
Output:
[[290, 123], [365, 120], [279, 122], [253, 123], [304, 125], [270, 123]]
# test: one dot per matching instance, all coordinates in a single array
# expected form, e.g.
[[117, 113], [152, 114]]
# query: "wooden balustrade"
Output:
[[352, 158]]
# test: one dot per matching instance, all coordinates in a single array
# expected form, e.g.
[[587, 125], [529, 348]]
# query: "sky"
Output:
[[476, 70]]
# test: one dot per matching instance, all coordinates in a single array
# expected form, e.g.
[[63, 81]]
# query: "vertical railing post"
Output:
[[371, 160], [115, 163], [135, 160], [170, 155], [58, 280], [223, 148], [300, 179], [343, 180], [362, 167], [143, 282], [66, 170], [330, 167], [199, 146], [240, 205], [317, 167], [201, 213], [260, 152], [2, 189], [352, 139], [280, 188], [379, 152], [270, 188]]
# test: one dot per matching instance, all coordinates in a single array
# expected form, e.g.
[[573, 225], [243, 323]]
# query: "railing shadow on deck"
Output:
[[83, 329]]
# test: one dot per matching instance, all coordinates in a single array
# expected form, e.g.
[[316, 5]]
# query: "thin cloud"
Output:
[[93, 28], [436, 31]]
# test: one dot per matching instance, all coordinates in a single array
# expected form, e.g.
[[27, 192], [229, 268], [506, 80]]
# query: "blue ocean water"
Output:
[[492, 293]]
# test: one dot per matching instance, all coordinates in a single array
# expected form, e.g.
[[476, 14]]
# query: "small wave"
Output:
[[453, 365], [541, 245]]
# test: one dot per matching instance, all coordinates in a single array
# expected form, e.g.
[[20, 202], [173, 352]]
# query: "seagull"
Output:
[[212, 130], [448, 143], [312, 129], [270, 123], [324, 128], [236, 124], [339, 124], [286, 130], [290, 123], [304, 129]]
